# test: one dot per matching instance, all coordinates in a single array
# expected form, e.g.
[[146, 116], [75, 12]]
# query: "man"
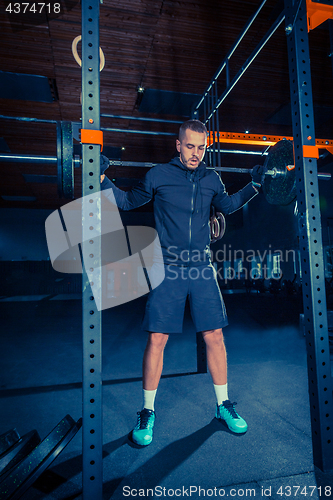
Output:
[[183, 192]]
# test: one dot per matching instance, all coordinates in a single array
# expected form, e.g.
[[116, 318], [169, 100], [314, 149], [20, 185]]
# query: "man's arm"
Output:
[[135, 197], [229, 204]]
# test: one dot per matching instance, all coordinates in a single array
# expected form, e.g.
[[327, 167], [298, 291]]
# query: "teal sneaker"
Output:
[[226, 412], [142, 433]]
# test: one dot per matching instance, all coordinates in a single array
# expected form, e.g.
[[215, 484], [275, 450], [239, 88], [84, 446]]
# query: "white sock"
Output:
[[148, 399], [221, 392]]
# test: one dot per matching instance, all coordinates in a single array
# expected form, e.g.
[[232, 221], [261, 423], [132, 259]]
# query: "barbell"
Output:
[[279, 185]]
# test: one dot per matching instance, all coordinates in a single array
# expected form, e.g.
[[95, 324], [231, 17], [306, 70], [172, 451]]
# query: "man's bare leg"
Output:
[[152, 370], [217, 365], [216, 355], [153, 360]]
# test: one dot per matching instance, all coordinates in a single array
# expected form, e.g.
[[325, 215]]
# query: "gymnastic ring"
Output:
[[222, 224], [217, 227], [77, 57], [214, 228]]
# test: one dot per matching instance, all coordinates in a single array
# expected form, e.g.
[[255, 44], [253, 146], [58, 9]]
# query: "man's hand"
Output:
[[104, 165], [258, 174]]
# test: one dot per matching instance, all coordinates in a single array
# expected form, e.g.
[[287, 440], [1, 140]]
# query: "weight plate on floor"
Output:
[[18, 452], [28, 470], [8, 439]]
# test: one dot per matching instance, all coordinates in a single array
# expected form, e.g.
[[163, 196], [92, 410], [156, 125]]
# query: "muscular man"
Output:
[[183, 192]]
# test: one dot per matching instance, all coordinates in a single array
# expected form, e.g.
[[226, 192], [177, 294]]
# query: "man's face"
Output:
[[192, 148]]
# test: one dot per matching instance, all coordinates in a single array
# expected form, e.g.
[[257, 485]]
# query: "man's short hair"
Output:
[[195, 125]]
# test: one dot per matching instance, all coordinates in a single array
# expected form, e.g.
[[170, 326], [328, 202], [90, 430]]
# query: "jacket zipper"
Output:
[[192, 208]]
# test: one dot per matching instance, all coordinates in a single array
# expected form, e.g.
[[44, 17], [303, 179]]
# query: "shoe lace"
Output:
[[144, 420], [228, 405]]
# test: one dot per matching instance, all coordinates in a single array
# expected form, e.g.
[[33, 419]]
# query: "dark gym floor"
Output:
[[40, 384]]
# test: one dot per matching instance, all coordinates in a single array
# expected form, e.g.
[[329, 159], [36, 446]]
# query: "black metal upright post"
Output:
[[310, 235], [91, 252], [330, 27]]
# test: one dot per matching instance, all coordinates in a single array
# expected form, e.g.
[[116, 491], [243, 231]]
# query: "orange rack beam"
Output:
[[318, 13], [261, 140]]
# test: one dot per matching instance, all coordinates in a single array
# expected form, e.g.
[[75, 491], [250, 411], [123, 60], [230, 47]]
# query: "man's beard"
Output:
[[186, 163]]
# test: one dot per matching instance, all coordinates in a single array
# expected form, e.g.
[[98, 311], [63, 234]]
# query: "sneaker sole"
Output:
[[238, 431]]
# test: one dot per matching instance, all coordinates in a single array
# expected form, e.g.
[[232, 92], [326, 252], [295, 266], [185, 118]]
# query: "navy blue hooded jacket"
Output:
[[182, 200]]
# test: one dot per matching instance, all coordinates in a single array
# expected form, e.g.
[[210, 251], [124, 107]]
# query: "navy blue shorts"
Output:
[[166, 303]]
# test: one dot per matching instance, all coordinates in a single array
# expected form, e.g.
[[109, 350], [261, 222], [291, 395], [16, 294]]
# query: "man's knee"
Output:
[[213, 336], [157, 340]]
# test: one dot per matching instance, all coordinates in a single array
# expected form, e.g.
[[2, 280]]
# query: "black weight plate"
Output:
[[67, 160], [8, 439], [46, 463], [28, 470], [18, 452], [281, 189]]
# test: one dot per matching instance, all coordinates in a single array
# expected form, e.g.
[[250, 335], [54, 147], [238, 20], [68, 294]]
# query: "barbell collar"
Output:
[[77, 161]]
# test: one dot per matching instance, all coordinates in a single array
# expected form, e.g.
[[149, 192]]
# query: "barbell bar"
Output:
[[279, 185]]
